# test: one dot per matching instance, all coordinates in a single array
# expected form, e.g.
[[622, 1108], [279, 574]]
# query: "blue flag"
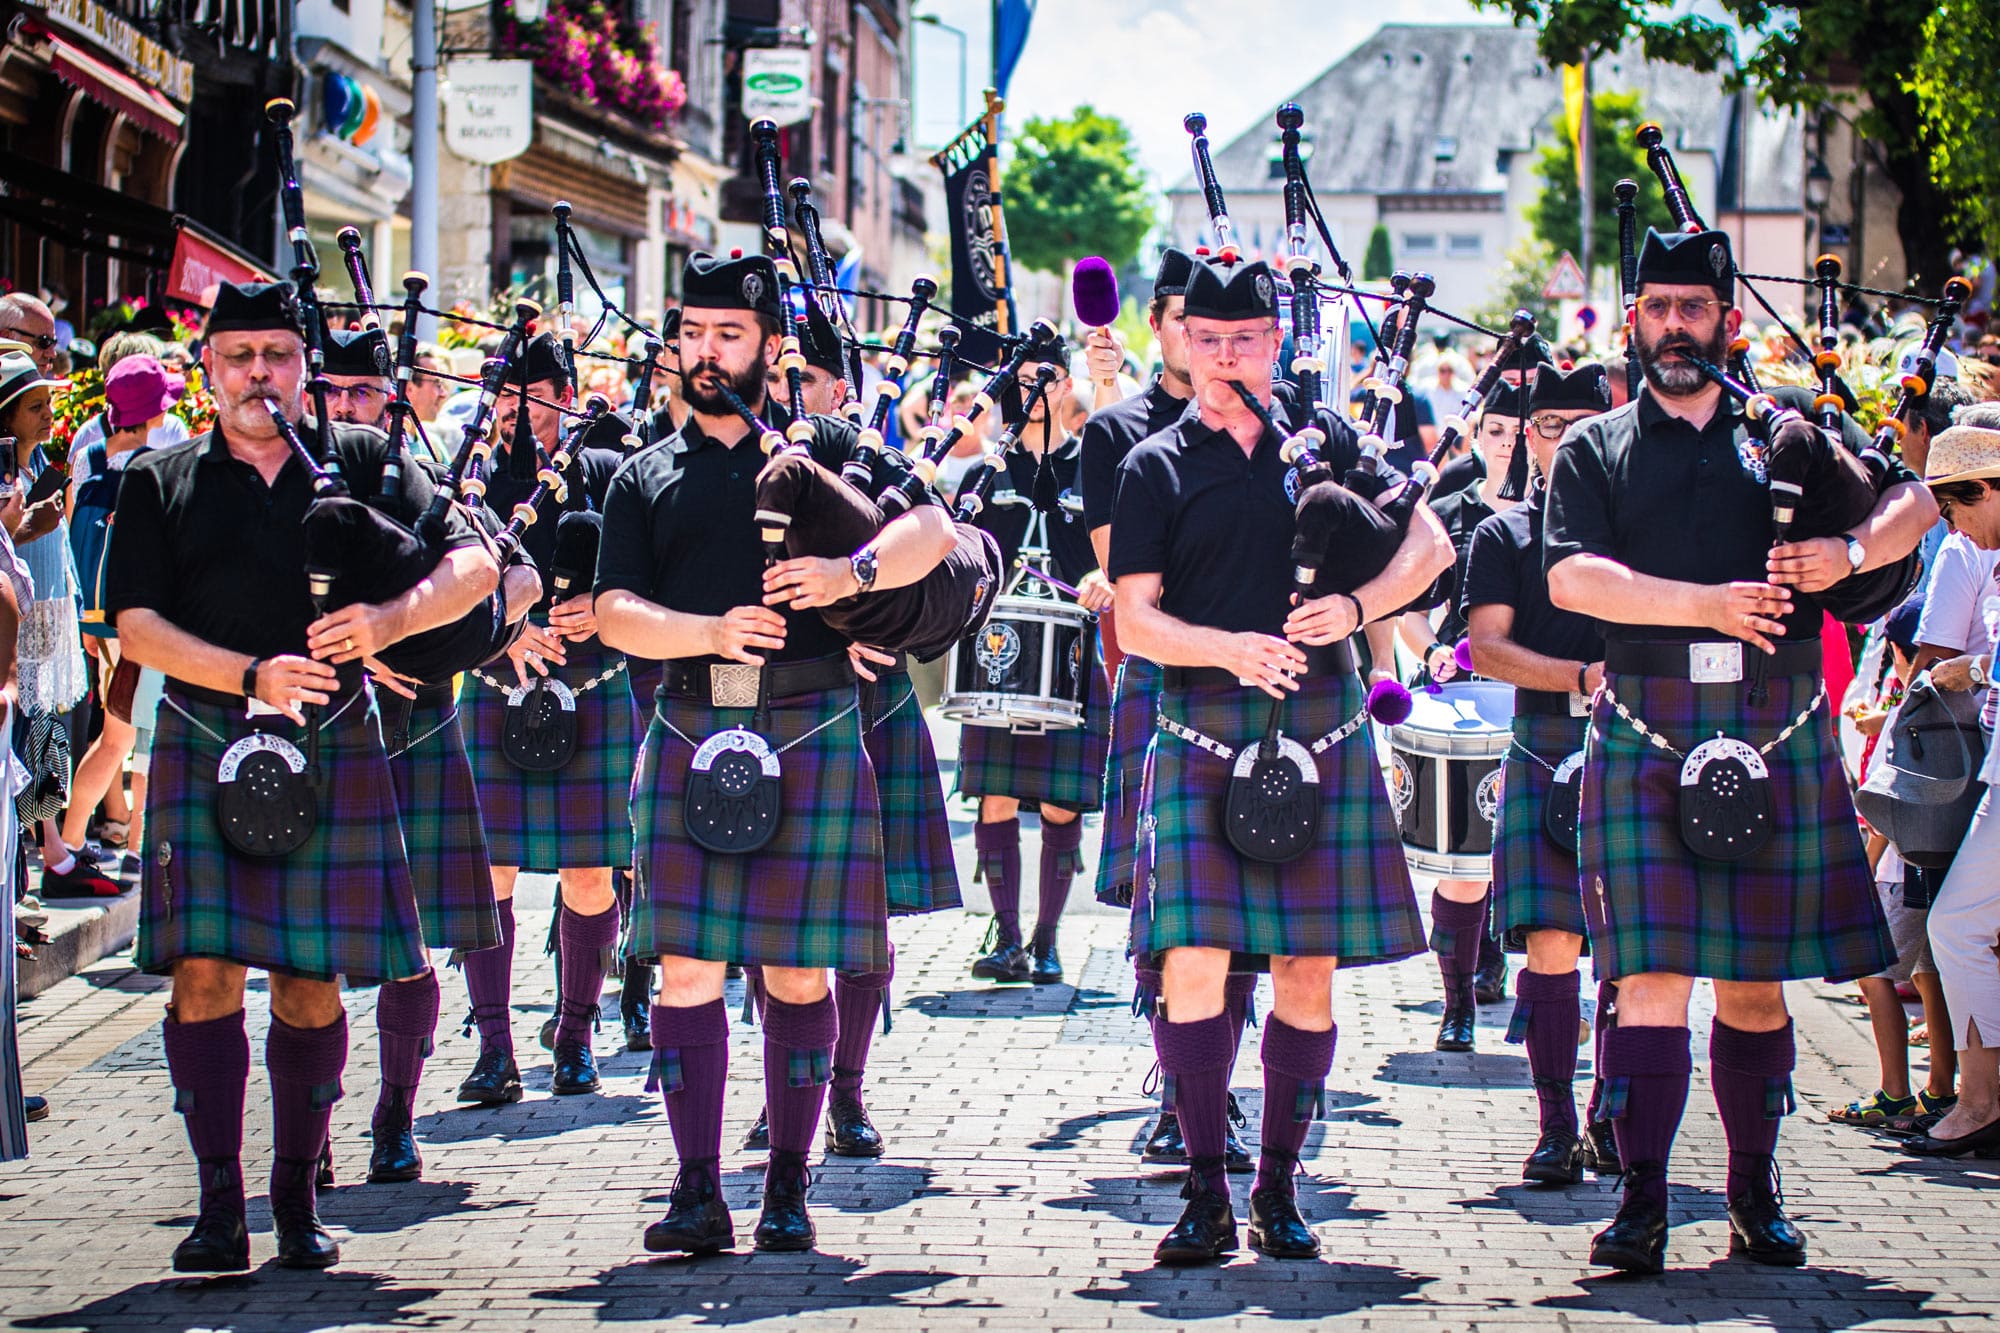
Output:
[[1010, 37]]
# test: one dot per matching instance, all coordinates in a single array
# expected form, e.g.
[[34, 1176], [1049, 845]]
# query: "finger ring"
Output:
[[350, 643]]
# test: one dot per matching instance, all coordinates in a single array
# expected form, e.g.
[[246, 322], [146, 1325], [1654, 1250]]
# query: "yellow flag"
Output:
[[1575, 91]]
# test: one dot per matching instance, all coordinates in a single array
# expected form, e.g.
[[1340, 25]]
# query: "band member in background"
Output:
[[1061, 770], [574, 820], [1201, 553], [1657, 528], [1555, 662], [682, 578], [207, 582], [357, 392]]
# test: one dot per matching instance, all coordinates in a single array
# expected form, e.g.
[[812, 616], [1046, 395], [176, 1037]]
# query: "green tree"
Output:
[[1792, 54], [1557, 213], [1074, 188], [1378, 263], [1518, 286], [1953, 81]]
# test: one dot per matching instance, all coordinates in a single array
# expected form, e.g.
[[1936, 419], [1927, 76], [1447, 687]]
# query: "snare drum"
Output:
[[1445, 764], [1028, 669]]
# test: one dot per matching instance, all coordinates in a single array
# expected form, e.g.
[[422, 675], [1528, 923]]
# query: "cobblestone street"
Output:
[[1010, 1198]]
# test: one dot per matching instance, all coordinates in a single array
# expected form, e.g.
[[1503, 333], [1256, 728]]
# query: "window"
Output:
[[1464, 245], [1445, 149], [1418, 244]]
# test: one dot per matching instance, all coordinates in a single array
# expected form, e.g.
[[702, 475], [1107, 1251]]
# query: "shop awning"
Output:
[[201, 260], [148, 108]]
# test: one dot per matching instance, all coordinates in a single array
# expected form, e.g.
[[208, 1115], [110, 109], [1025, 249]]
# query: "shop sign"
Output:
[[777, 84], [489, 108]]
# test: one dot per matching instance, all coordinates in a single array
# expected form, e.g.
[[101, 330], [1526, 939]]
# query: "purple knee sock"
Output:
[[1295, 1068], [406, 1014], [999, 850], [209, 1063], [1195, 1056], [1547, 1008], [1061, 859], [690, 1070], [1490, 953], [798, 1054], [1239, 994], [857, 1002], [1752, 1076], [489, 984], [1455, 938], [1146, 985], [305, 1065], [1646, 1073], [587, 944], [1607, 1018]]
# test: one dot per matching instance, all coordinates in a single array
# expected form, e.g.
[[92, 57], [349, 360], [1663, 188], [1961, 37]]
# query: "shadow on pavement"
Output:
[[1741, 1292], [1068, 1132], [533, 1118], [269, 1299], [1245, 1286], [1443, 1069], [997, 1001], [738, 1288]]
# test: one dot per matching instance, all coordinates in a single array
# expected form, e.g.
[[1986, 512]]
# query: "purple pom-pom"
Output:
[[1093, 291], [1462, 655], [1389, 702]]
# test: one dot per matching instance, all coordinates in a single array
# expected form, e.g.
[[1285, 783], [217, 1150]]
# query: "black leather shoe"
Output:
[[495, 1079], [547, 1035], [1045, 964], [697, 1221], [35, 1108], [1236, 1158], [302, 1241], [324, 1177], [1164, 1145], [1009, 962], [1636, 1240], [1276, 1229], [575, 1071], [1556, 1160], [1207, 1229], [1489, 983], [1600, 1148], [394, 1159], [1758, 1227], [638, 1029], [1461, 1019], [759, 1137], [1980, 1142], [784, 1226], [849, 1132], [220, 1241]]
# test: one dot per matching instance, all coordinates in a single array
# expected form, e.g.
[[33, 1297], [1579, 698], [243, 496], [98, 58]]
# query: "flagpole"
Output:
[[1585, 183], [1003, 262]]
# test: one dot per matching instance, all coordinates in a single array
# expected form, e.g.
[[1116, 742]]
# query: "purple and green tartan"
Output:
[[1348, 897], [1135, 699], [1535, 883], [442, 833], [814, 896], [577, 817], [1804, 906], [1063, 768], [916, 830], [341, 906]]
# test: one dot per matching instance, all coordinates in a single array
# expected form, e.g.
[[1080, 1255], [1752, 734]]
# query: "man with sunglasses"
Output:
[[27, 321], [1717, 838], [357, 391]]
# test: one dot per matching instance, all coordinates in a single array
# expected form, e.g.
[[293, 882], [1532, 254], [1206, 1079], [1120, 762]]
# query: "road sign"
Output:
[[1566, 283]]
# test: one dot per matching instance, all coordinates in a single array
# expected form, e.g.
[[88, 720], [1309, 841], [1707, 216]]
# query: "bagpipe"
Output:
[[1819, 486]]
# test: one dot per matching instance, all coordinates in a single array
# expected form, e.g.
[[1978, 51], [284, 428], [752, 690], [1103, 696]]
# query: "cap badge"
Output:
[[753, 287]]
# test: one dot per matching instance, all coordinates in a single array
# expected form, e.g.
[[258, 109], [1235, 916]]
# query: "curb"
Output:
[[80, 935]]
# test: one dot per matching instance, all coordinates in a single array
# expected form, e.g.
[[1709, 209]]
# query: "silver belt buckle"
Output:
[[1715, 663], [732, 684], [1579, 704]]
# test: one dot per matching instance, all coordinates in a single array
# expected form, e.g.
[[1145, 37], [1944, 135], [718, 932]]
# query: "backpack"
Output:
[[90, 536]]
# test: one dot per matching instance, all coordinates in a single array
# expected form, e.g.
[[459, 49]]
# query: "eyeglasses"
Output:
[[1966, 493], [1239, 344], [1691, 309], [1548, 425], [41, 342], [360, 394]]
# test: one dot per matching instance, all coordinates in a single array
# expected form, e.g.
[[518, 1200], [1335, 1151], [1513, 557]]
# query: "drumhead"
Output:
[[1465, 719]]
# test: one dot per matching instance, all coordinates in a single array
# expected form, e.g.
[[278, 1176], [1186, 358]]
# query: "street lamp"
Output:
[[932, 20], [1819, 186]]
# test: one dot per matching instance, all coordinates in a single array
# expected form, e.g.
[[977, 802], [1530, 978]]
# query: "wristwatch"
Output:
[[1977, 672], [1856, 554], [866, 564]]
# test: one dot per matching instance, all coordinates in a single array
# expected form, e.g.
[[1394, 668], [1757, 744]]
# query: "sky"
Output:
[[1149, 62]]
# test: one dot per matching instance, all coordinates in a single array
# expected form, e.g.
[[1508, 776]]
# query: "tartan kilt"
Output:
[[1135, 700], [442, 833], [814, 896], [1535, 884], [1804, 906], [916, 831], [578, 817], [1060, 768], [341, 906], [1348, 897]]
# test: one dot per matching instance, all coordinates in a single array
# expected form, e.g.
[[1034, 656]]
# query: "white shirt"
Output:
[[170, 431], [1960, 581]]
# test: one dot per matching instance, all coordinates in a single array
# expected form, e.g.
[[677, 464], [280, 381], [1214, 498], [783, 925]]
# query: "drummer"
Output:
[[1062, 770], [1470, 962], [1555, 661]]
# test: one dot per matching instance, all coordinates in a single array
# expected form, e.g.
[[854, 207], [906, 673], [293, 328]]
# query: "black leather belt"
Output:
[[1333, 659], [1542, 703], [1719, 662], [195, 694], [734, 684]]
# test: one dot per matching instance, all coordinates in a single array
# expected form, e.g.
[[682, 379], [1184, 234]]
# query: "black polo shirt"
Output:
[[1652, 492], [680, 528], [1109, 434], [504, 490], [1461, 512], [1468, 469], [1214, 524], [199, 538], [1504, 568], [1010, 512]]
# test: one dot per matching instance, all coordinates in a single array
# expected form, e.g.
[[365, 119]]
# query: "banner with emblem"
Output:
[[981, 287]]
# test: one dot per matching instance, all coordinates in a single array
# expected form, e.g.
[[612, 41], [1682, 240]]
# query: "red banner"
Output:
[[201, 262]]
